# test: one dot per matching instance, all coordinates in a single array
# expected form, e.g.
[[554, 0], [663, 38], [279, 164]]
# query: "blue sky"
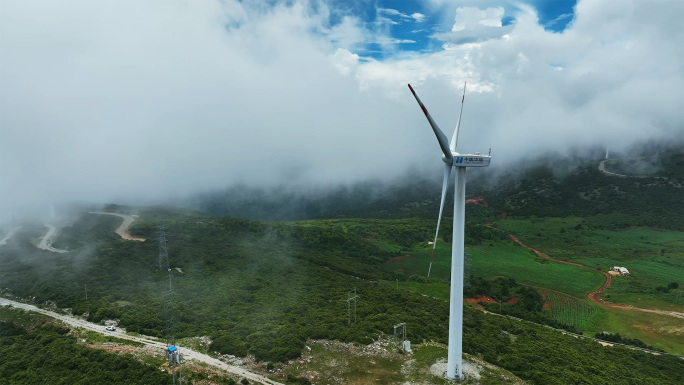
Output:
[[414, 23]]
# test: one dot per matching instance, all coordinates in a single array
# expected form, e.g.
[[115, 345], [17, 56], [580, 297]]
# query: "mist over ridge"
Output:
[[104, 104], [553, 184]]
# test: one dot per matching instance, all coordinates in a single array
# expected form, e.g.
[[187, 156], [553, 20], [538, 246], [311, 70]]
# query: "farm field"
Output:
[[503, 258], [567, 309], [571, 283], [655, 258], [640, 287], [660, 331]]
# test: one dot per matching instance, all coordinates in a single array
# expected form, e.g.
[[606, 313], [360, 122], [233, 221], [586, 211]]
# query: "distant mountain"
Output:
[[558, 186]]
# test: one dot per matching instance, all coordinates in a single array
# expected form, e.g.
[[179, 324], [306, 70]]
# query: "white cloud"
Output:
[[389, 11], [472, 16], [418, 17], [129, 100], [344, 60], [394, 12], [622, 79], [349, 34], [472, 24]]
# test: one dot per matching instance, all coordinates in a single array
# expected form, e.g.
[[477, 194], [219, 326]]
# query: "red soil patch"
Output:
[[513, 300], [643, 327], [547, 305], [481, 298], [477, 201]]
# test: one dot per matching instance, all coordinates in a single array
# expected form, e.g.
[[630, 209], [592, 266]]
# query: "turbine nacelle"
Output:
[[467, 160]]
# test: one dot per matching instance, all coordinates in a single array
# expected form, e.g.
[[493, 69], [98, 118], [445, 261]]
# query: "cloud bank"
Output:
[[128, 100]]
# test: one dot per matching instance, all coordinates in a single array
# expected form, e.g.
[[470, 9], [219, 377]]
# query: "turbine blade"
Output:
[[454, 139], [441, 138], [445, 182]]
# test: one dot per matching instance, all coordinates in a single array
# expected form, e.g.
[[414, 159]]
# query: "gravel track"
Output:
[[46, 241], [9, 235], [188, 354], [123, 228]]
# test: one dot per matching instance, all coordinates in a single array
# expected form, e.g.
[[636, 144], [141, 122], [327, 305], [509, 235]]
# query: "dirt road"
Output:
[[602, 168], [46, 241], [123, 229], [9, 235], [188, 354], [594, 295]]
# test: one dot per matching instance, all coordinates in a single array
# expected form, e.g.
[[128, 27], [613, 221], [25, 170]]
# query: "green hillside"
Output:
[[265, 288]]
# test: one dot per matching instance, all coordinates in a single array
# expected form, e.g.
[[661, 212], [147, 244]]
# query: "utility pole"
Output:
[[86, 290]]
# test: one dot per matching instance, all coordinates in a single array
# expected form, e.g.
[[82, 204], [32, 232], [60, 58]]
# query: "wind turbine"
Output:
[[452, 159]]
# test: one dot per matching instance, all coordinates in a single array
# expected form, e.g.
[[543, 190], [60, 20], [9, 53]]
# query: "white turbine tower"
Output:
[[451, 159]]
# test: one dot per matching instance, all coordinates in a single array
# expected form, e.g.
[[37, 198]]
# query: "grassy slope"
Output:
[[641, 250], [504, 258], [638, 249], [654, 257]]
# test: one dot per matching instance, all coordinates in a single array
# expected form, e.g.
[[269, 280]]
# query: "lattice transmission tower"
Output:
[[163, 252], [349, 299], [175, 358]]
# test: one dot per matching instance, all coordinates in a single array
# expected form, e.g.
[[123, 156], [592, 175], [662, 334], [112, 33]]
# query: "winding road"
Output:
[[591, 295], [594, 296], [188, 354], [9, 235], [602, 168], [123, 228], [46, 241]]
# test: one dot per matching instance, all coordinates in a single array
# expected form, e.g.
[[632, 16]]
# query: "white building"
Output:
[[622, 270]]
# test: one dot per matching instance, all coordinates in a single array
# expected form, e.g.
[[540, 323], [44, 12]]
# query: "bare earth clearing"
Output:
[[188, 354]]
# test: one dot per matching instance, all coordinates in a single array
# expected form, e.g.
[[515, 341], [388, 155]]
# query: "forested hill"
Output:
[[556, 187], [654, 199], [412, 195]]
